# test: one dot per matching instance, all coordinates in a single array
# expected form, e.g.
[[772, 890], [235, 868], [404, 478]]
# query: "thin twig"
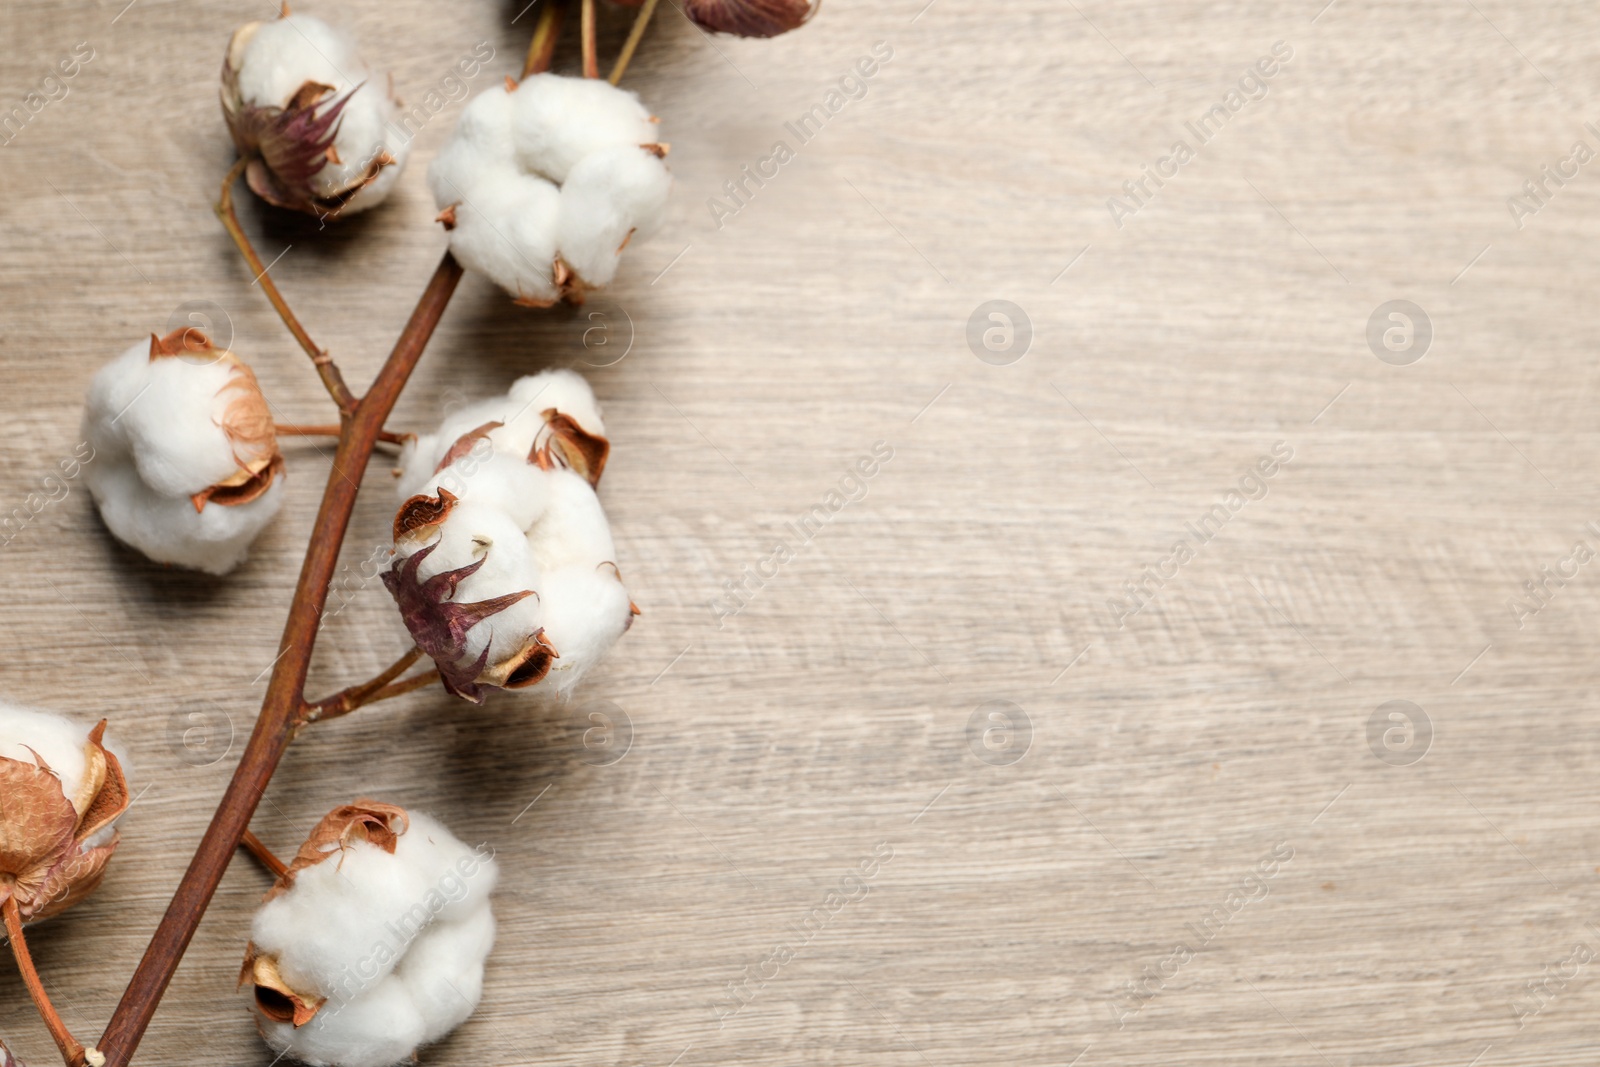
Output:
[[289, 429], [591, 61], [635, 35], [285, 696], [326, 368], [71, 1049], [542, 49], [264, 855], [352, 697]]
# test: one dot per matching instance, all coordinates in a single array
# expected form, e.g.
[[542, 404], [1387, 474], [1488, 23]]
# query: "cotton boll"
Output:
[[61, 794], [525, 462], [460, 878], [187, 466], [541, 184], [378, 945], [316, 123], [610, 195], [557, 121]]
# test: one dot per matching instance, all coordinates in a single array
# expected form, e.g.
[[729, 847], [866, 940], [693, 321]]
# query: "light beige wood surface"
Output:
[[773, 751]]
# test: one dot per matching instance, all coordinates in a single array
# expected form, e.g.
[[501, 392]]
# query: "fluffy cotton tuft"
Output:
[[319, 126], [506, 571], [375, 943], [542, 184], [186, 464]]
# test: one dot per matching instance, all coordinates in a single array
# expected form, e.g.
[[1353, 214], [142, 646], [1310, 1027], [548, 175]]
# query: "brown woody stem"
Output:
[[542, 49], [289, 429], [71, 1049], [285, 696], [347, 700], [635, 35], [591, 61], [263, 855], [326, 368]]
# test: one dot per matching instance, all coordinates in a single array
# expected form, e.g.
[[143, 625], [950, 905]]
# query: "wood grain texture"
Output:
[[775, 750]]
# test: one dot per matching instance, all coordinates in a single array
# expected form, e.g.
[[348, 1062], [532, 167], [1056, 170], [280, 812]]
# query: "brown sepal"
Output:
[[253, 486], [184, 341], [447, 217], [421, 512], [659, 149], [365, 820], [275, 998], [570, 286], [43, 861], [529, 665], [465, 444], [571, 446]]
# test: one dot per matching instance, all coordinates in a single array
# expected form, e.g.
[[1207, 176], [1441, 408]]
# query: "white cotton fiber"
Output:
[[557, 121], [395, 943], [553, 169], [167, 432]]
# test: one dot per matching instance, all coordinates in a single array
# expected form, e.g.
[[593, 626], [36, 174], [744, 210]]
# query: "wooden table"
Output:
[[1195, 833]]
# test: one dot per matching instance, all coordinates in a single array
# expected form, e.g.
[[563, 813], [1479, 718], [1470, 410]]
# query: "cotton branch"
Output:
[[326, 368], [542, 49], [263, 855], [72, 1051], [285, 697], [591, 62], [379, 688], [629, 46], [289, 429]]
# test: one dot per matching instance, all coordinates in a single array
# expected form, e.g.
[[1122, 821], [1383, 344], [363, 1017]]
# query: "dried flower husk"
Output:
[[439, 624], [750, 18], [47, 859]]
